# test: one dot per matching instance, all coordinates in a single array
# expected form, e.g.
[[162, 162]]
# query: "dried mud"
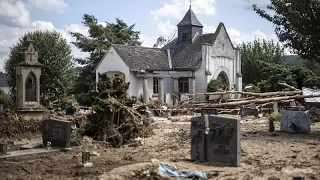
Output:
[[264, 155]]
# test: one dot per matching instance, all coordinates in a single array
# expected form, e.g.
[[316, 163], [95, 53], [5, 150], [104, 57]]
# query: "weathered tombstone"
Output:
[[198, 138], [3, 148], [292, 103], [223, 141], [252, 106], [295, 121], [248, 111], [209, 111], [292, 108], [70, 110], [57, 132], [271, 126]]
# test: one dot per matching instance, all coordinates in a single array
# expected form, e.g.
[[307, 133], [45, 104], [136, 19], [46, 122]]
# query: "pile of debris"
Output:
[[12, 126], [265, 101], [114, 119], [220, 100]]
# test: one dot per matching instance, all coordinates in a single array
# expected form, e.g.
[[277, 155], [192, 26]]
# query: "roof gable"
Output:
[[220, 27]]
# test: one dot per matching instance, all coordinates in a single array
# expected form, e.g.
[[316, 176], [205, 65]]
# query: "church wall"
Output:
[[223, 58]]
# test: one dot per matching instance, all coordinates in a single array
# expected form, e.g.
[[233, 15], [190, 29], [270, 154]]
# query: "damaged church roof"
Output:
[[143, 58]]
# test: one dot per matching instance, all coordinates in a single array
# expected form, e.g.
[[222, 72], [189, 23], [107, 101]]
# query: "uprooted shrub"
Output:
[[114, 120]]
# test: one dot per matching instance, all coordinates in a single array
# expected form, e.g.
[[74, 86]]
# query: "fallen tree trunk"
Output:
[[290, 87], [278, 93], [259, 101]]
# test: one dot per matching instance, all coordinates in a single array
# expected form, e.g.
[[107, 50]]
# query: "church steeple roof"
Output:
[[190, 19]]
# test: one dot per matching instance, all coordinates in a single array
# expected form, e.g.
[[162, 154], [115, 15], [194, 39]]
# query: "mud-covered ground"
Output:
[[264, 155]]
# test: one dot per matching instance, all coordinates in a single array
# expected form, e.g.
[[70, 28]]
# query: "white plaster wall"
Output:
[[201, 79], [113, 62]]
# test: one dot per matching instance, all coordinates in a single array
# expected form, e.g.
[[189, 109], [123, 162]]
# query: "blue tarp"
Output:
[[163, 169]]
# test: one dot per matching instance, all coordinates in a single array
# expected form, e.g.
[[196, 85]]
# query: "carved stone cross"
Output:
[[31, 54]]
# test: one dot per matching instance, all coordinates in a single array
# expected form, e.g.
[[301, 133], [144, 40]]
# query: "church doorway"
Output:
[[223, 80]]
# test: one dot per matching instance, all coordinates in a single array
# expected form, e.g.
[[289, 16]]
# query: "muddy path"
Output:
[[264, 155]]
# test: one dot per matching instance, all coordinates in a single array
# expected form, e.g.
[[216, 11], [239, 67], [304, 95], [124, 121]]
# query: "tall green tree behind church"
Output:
[[97, 43]]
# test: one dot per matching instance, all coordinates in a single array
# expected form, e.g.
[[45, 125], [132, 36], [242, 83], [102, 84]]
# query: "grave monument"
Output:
[[56, 132], [28, 74], [215, 139]]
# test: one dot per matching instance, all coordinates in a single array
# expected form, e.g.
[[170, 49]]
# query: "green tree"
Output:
[[97, 43], [293, 75], [251, 52], [297, 25], [57, 76]]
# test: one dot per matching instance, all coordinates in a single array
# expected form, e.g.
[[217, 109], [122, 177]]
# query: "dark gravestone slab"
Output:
[[292, 108], [209, 111], [3, 148], [198, 138], [248, 111], [70, 110], [309, 105], [223, 141], [294, 121], [57, 132]]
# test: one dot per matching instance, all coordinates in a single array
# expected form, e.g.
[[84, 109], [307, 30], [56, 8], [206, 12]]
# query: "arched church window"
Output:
[[184, 37], [31, 87]]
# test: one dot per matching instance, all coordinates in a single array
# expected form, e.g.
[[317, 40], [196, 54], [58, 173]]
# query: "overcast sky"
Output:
[[152, 18]]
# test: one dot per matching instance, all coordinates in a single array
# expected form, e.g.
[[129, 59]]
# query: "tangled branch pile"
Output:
[[114, 120]]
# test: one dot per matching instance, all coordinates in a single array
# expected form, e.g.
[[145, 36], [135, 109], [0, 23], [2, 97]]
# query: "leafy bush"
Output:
[[214, 85]]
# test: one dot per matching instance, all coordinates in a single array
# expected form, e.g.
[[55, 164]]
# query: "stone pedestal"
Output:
[[34, 113]]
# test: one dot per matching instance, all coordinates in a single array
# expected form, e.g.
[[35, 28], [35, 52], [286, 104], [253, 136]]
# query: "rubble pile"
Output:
[[15, 127]]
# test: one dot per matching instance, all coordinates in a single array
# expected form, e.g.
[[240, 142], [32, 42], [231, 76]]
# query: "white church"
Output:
[[185, 65]]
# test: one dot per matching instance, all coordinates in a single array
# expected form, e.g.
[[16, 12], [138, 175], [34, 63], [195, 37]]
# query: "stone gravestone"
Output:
[[223, 141], [58, 132], [294, 121], [215, 139], [209, 111], [198, 127], [249, 111], [292, 108]]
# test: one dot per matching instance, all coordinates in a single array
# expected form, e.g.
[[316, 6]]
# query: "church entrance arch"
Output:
[[223, 80]]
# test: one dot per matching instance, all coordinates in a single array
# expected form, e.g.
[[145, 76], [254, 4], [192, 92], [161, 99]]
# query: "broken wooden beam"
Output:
[[277, 93], [258, 101]]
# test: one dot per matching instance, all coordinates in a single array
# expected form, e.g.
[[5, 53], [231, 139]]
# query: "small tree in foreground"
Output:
[[114, 120]]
